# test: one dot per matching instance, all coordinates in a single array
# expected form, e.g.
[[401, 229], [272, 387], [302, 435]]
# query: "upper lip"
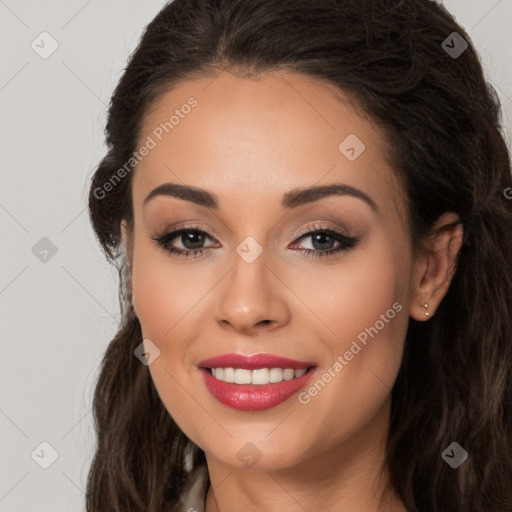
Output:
[[253, 362]]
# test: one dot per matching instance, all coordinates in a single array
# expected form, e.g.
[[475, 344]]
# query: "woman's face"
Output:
[[257, 283]]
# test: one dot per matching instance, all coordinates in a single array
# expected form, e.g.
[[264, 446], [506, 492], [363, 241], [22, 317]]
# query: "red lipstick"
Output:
[[253, 362], [254, 397]]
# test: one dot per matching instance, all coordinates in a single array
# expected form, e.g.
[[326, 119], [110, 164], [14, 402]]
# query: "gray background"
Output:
[[58, 315]]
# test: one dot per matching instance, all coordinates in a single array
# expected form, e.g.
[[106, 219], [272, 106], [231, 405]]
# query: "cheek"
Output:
[[166, 298], [341, 302], [165, 293], [370, 313], [366, 312]]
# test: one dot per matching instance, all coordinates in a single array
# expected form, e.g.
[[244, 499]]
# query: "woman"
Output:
[[307, 203]]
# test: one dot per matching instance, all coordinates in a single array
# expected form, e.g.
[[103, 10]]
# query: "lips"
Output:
[[253, 362], [254, 397]]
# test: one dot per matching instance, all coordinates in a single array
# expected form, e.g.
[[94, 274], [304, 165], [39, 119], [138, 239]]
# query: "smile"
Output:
[[254, 383]]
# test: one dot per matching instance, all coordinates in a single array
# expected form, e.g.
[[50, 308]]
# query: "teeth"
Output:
[[261, 376], [242, 376]]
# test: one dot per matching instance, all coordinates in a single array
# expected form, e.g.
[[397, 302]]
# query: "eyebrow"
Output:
[[292, 199]]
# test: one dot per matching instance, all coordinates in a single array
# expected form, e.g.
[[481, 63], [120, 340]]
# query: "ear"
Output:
[[435, 266]]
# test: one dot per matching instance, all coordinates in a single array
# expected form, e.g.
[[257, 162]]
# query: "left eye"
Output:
[[323, 240], [320, 240]]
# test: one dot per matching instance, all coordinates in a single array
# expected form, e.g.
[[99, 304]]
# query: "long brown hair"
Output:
[[442, 123]]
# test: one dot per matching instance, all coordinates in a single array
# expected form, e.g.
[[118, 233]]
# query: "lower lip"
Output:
[[254, 397]]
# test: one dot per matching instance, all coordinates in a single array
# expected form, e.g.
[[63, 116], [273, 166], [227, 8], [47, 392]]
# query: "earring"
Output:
[[426, 312]]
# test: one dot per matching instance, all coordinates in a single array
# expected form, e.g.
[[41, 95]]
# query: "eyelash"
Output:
[[347, 242]]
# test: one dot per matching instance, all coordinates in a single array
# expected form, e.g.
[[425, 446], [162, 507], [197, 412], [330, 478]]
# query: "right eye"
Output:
[[191, 238]]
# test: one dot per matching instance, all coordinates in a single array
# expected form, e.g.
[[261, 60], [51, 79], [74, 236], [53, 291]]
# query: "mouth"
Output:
[[257, 382]]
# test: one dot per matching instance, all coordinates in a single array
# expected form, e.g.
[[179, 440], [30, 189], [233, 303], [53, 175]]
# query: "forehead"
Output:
[[254, 136]]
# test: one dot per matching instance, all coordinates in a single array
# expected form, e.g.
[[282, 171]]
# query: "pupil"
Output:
[[188, 238], [321, 238]]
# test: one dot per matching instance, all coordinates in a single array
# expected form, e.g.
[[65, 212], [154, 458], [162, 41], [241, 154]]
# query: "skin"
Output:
[[249, 141]]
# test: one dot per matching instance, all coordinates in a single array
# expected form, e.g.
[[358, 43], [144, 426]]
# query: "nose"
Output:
[[251, 299]]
